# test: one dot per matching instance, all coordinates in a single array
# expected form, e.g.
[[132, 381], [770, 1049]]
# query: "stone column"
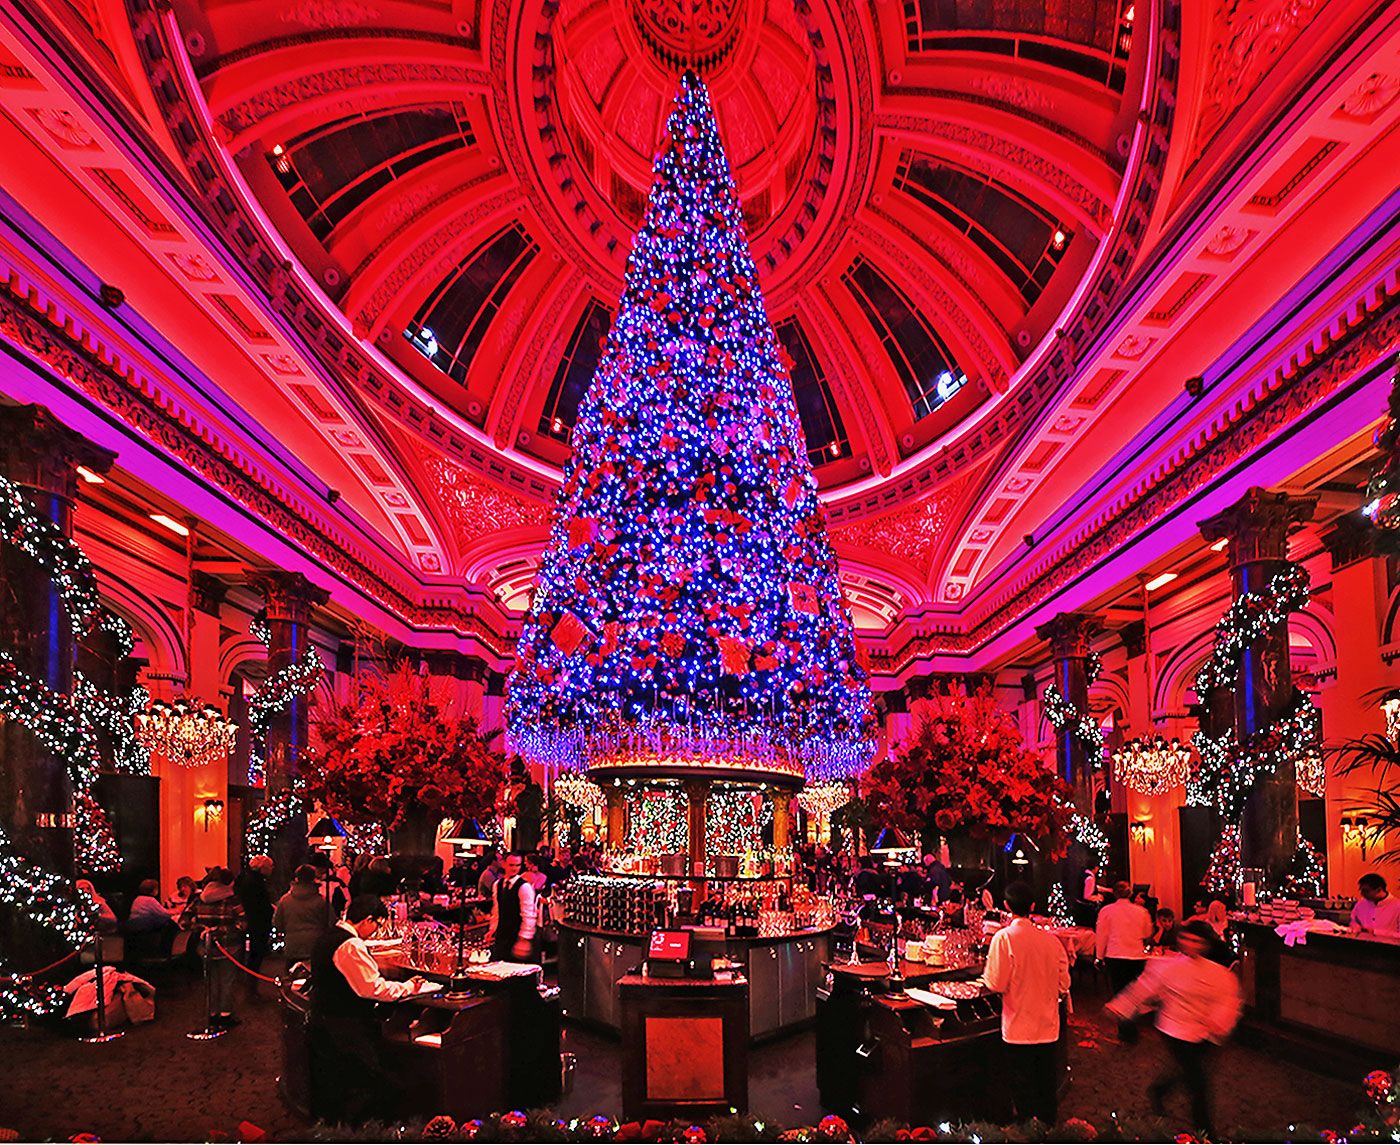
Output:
[[617, 818], [782, 820], [1256, 527], [697, 797], [289, 597], [39, 454], [1069, 634]]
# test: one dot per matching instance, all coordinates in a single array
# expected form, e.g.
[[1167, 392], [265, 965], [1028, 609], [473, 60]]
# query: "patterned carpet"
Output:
[[157, 1085]]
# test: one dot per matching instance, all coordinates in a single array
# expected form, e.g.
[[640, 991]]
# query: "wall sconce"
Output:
[[1354, 831], [1139, 832], [213, 812]]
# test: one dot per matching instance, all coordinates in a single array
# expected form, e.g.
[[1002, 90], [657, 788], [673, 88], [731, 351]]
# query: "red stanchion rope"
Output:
[[43, 970], [231, 958]]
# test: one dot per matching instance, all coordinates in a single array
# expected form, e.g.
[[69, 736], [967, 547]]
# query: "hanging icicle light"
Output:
[[1152, 767], [189, 735]]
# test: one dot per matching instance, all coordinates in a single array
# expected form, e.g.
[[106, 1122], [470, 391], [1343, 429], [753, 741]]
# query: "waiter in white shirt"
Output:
[[1198, 1003], [348, 1080], [1377, 911], [1121, 936], [514, 914], [1030, 970]]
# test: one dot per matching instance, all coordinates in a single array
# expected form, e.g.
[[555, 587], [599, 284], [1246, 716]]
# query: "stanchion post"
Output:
[[210, 1030], [102, 1035]]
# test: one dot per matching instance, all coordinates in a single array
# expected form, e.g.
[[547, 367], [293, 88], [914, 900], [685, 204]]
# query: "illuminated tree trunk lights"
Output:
[[687, 613]]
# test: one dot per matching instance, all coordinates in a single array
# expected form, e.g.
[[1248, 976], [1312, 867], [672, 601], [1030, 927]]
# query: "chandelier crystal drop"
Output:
[[1152, 767], [190, 734], [577, 789], [821, 799]]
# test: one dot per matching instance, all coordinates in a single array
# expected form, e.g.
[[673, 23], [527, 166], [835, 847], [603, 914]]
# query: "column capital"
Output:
[[1069, 633], [39, 451], [1257, 524], [288, 595], [207, 592], [1134, 636], [1351, 539]]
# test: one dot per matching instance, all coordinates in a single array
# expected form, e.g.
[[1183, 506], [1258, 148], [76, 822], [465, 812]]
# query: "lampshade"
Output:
[[467, 832], [889, 841], [326, 828]]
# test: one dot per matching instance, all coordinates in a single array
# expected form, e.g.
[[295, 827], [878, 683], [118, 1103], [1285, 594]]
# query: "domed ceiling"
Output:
[[926, 184]]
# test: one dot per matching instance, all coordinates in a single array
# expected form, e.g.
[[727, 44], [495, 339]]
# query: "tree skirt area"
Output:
[[157, 1085]]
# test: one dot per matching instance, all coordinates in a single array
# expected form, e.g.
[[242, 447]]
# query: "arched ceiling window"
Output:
[[575, 371], [329, 172], [1025, 242], [1088, 37], [449, 327], [924, 364], [821, 420]]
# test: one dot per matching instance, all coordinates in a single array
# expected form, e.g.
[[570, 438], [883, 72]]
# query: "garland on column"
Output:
[[63, 728], [291, 680], [1228, 768], [1081, 830], [1061, 713], [116, 717], [49, 901], [270, 816]]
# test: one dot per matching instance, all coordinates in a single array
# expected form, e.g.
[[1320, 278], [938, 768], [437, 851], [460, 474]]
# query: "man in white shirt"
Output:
[[514, 914], [349, 1080], [1198, 1003], [1121, 936], [1376, 911], [1030, 970]]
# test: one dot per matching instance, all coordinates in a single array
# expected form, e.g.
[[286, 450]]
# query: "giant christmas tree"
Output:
[[688, 610]]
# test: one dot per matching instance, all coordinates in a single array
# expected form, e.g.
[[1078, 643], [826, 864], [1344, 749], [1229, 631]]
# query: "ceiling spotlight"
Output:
[[1158, 581], [1195, 386], [90, 477], [1028, 540], [170, 523], [835, 449]]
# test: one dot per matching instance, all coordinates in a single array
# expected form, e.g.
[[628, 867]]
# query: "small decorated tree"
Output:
[[396, 758], [965, 774]]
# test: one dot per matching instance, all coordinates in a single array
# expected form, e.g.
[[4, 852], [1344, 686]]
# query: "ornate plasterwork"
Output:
[[329, 14], [547, 335], [193, 443], [1248, 36], [477, 508], [914, 534], [247, 114], [1372, 96]]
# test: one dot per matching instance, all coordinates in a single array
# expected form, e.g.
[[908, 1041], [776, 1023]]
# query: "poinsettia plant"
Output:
[[965, 772], [395, 755]]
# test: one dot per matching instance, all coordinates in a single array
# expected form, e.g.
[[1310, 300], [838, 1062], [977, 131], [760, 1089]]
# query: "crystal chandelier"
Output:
[[1152, 767], [193, 735], [821, 799], [575, 788]]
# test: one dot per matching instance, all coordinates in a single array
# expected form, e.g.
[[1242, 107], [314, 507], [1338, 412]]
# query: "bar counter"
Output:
[[1330, 1003], [783, 975]]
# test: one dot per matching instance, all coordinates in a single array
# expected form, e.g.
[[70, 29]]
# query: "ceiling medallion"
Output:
[[696, 32], [1375, 93]]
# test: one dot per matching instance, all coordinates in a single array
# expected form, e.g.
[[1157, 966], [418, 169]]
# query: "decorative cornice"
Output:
[[42, 338]]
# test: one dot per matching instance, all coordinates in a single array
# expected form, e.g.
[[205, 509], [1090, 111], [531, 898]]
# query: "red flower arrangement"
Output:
[[395, 756], [966, 772]]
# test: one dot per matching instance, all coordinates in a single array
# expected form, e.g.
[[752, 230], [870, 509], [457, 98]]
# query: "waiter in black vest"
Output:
[[514, 914], [349, 1081]]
